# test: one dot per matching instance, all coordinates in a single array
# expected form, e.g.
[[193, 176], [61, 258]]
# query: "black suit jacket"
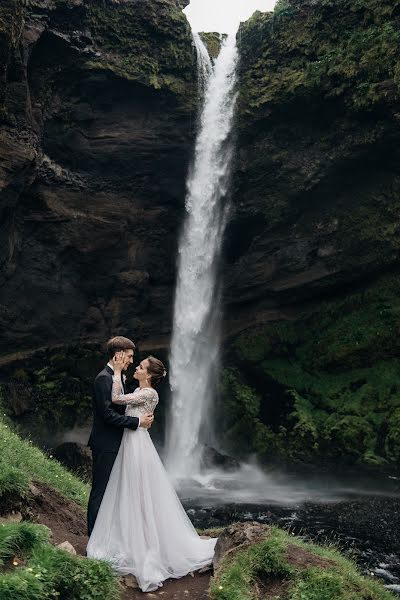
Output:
[[109, 420]]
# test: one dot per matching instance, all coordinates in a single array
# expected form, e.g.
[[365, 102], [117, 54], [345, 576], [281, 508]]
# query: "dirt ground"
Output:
[[187, 588], [66, 519]]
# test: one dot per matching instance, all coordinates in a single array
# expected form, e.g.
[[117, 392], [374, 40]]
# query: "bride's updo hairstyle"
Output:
[[156, 370]]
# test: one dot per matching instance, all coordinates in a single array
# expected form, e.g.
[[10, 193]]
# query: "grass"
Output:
[[323, 387], [44, 572], [339, 579], [20, 462], [20, 539], [13, 482]]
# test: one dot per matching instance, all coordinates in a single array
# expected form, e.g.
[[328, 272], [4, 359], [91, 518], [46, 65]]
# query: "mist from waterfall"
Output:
[[195, 339]]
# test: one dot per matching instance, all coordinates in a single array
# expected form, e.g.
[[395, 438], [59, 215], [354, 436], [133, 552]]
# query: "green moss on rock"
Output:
[[53, 387], [334, 373], [330, 47], [319, 87], [212, 41], [146, 42]]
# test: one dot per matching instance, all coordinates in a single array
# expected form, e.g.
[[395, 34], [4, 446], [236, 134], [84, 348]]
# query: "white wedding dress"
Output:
[[142, 527]]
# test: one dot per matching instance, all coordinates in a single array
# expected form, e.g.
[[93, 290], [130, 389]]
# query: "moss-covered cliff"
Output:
[[324, 387], [146, 42], [316, 198], [317, 177]]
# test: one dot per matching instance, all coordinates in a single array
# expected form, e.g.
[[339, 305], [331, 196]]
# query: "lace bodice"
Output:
[[141, 402]]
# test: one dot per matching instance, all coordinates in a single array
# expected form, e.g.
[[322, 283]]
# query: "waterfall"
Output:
[[195, 339], [204, 66]]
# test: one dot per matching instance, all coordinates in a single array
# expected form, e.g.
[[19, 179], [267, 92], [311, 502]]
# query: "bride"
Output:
[[142, 528]]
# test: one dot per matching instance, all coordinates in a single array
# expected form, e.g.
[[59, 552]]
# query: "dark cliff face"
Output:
[[312, 252], [97, 105], [317, 180]]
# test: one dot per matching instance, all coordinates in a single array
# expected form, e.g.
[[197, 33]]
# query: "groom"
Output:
[[109, 423]]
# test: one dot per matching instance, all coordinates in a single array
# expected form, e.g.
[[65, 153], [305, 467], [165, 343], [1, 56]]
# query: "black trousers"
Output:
[[102, 466]]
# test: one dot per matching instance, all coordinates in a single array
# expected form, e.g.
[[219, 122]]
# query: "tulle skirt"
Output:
[[142, 528]]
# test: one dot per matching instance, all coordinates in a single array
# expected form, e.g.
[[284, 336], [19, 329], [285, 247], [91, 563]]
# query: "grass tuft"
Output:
[[20, 539], [13, 482], [269, 560], [48, 572], [20, 461]]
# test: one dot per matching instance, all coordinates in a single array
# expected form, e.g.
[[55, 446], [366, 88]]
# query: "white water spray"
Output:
[[204, 65], [195, 339]]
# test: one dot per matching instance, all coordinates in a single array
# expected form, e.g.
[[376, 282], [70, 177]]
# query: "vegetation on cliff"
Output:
[[147, 42], [150, 43], [321, 50], [319, 87], [323, 387], [212, 41], [53, 387], [282, 566]]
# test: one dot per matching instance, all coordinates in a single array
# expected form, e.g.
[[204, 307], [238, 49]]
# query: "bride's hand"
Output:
[[118, 362]]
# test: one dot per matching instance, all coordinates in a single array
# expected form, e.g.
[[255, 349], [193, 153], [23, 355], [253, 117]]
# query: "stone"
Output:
[[34, 490], [211, 458], [205, 569], [67, 547], [13, 517], [129, 581], [238, 536], [77, 457]]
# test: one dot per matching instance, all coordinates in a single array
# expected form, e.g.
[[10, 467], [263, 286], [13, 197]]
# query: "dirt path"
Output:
[[187, 588], [68, 523]]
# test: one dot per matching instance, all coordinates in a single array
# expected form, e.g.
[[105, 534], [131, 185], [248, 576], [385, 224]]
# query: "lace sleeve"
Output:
[[148, 397], [140, 396], [117, 393]]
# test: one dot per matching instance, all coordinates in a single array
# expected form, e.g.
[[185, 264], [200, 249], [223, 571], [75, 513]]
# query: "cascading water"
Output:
[[195, 340], [204, 65]]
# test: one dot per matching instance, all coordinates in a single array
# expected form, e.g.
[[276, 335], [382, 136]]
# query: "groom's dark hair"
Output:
[[118, 343]]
